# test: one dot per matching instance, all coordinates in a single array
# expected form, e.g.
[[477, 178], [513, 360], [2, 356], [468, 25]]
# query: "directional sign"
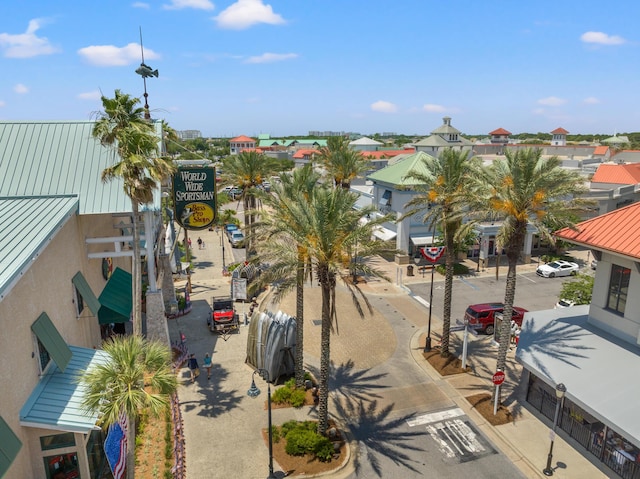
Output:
[[498, 378]]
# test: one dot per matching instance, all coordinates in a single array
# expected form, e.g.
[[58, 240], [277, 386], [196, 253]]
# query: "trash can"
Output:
[[410, 270]]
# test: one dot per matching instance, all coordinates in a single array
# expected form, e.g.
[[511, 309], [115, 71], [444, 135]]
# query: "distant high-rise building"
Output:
[[189, 134]]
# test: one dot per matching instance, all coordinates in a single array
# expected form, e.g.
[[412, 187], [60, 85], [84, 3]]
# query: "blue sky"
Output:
[[284, 67]]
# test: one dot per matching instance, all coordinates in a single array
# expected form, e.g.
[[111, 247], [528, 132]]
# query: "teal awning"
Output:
[[52, 341], [56, 401], [9, 446], [86, 292], [115, 299]]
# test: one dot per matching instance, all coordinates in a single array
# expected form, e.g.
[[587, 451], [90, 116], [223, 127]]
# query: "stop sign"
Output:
[[498, 378]]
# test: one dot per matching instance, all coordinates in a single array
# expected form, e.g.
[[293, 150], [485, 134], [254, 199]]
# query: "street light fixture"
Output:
[[255, 392], [561, 389]]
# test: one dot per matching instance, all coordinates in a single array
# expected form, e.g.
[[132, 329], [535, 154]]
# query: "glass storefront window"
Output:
[[62, 466], [97, 460], [56, 441]]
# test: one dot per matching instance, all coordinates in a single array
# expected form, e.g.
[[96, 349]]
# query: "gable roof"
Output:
[[601, 150], [386, 153], [47, 158], [618, 174], [395, 174], [302, 152], [241, 139], [560, 131], [617, 231], [500, 131], [21, 242], [365, 141]]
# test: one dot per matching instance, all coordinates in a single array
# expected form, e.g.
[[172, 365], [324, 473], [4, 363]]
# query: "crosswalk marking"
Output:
[[435, 417]]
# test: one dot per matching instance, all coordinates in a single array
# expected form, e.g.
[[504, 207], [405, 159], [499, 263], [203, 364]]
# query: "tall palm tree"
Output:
[[332, 227], [342, 163], [288, 266], [444, 186], [247, 171], [525, 189], [122, 127], [136, 377]]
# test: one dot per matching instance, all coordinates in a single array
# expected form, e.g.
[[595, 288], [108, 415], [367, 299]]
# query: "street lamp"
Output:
[[427, 344], [561, 389], [255, 392]]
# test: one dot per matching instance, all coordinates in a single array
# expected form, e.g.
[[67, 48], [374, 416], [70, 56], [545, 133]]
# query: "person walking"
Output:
[[207, 365], [199, 243], [193, 367]]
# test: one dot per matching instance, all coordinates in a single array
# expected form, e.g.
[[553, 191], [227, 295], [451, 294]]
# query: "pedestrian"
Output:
[[514, 328], [202, 244], [189, 243], [207, 365], [193, 367], [199, 243]]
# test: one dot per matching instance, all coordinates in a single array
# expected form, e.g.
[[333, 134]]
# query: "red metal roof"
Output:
[[617, 231], [386, 153], [500, 131], [601, 150], [559, 131], [241, 138], [302, 152], [618, 174]]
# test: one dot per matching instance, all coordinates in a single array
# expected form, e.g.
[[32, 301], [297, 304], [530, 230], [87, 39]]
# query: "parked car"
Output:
[[558, 268], [230, 228], [482, 315], [237, 239], [564, 303]]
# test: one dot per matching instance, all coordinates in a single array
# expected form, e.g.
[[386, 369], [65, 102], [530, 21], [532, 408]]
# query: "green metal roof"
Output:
[[115, 299], [395, 174], [10, 446], [56, 402], [50, 338], [59, 158], [28, 224], [87, 293]]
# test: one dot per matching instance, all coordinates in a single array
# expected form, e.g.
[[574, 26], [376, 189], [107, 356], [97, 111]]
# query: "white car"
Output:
[[564, 303], [558, 268]]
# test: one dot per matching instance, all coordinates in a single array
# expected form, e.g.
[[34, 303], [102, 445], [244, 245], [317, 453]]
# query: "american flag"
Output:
[[115, 446]]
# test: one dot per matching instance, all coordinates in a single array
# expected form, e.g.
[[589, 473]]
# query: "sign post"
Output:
[[498, 379], [464, 344]]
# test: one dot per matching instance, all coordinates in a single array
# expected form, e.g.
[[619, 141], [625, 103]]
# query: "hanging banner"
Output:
[[194, 197], [432, 253]]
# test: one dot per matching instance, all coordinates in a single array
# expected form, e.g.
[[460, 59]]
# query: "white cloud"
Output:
[[430, 107], [109, 55], [197, 4], [21, 89], [245, 13], [538, 111], [90, 95], [384, 106], [27, 44], [602, 38], [146, 6], [2, 103], [592, 100], [271, 57], [552, 101]]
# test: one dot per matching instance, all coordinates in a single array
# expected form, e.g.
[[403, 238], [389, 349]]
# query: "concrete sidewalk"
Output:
[[222, 424]]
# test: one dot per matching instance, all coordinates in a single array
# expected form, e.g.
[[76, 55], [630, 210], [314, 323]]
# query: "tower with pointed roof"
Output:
[[559, 137]]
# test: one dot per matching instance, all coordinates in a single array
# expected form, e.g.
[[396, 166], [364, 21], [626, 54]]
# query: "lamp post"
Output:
[[255, 392], [427, 344], [222, 244], [561, 389]]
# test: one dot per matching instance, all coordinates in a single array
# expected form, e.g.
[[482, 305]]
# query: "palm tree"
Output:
[[332, 227], [342, 163], [288, 266], [247, 171], [136, 377], [525, 189], [444, 185], [122, 127]]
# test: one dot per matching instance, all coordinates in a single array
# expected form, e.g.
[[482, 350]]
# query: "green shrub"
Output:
[[300, 442], [275, 434], [288, 427], [458, 269], [288, 394], [323, 449]]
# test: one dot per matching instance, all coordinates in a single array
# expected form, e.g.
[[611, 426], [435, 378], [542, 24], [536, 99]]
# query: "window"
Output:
[[79, 302], [57, 441], [386, 198], [43, 355], [62, 466], [618, 289]]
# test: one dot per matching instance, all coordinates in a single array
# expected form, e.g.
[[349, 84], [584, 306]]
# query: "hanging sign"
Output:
[[194, 197], [432, 253]]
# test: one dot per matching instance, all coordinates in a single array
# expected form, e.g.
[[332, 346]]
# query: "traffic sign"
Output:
[[498, 378]]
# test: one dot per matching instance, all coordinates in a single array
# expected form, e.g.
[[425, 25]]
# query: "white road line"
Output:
[[421, 300], [527, 278], [435, 417]]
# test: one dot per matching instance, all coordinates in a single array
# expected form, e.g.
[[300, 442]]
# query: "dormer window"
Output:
[[453, 137]]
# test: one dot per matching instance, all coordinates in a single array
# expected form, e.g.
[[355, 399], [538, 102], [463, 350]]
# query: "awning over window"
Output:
[[56, 401], [384, 234], [115, 299], [87, 293], [10, 445], [421, 240], [52, 341]]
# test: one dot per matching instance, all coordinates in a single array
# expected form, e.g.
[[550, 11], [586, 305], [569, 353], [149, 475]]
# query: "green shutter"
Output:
[[9, 447], [52, 341], [87, 294]]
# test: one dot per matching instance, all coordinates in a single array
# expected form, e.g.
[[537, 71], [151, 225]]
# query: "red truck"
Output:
[[223, 318]]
